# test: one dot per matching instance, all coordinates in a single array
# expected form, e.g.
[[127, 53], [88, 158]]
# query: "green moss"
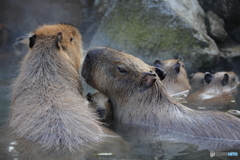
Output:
[[150, 32], [135, 28]]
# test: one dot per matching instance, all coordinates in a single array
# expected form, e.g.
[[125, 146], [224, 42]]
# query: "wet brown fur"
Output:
[[215, 93], [197, 80], [100, 102], [175, 82], [47, 104], [136, 104]]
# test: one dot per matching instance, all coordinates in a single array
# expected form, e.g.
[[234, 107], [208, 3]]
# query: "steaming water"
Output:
[[137, 143]]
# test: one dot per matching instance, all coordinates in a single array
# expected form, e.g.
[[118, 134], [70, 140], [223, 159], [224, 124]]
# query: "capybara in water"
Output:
[[199, 80], [176, 80], [47, 103], [101, 103], [138, 97], [220, 91]]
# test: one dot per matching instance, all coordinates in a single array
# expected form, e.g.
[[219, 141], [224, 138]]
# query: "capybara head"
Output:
[[223, 82], [199, 79], [102, 105], [62, 38], [122, 77], [121, 73], [176, 80]]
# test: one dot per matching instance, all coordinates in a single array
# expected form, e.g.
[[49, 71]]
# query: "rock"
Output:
[[156, 28], [236, 34], [227, 10], [216, 27], [21, 17], [93, 14]]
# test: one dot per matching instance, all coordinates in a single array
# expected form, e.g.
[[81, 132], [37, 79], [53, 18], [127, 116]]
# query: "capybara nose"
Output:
[[93, 53]]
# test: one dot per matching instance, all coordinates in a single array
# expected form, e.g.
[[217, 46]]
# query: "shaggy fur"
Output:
[[176, 79], [47, 104], [219, 91], [122, 78], [101, 103]]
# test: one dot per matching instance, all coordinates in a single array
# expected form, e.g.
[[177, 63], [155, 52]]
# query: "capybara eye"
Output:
[[121, 70], [87, 57], [234, 79], [183, 65], [71, 39]]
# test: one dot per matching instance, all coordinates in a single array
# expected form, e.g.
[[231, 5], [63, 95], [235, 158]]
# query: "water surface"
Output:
[[133, 142]]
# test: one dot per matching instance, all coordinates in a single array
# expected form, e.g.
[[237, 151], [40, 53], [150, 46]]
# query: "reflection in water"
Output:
[[161, 143], [135, 143], [113, 146]]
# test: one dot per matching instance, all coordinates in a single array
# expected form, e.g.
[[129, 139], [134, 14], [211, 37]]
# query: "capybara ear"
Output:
[[32, 40], [208, 77], [157, 63], [177, 67], [191, 75], [225, 79], [160, 72], [89, 97], [148, 79], [59, 39]]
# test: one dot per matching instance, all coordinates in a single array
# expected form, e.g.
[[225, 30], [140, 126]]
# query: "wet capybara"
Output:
[[138, 97], [199, 80], [176, 80], [47, 105], [219, 92], [101, 104]]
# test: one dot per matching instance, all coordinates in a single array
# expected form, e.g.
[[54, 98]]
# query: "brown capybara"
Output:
[[199, 80], [176, 80], [47, 105], [101, 104], [220, 91], [138, 97]]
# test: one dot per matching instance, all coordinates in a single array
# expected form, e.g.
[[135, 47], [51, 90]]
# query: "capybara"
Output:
[[199, 80], [138, 97], [102, 105], [219, 92], [176, 80], [47, 105]]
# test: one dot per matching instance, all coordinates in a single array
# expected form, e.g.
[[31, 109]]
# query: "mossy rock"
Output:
[[152, 30]]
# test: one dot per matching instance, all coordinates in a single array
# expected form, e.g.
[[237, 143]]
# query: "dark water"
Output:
[[134, 143]]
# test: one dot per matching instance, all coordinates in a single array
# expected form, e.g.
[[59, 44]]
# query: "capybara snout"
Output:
[[93, 53]]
